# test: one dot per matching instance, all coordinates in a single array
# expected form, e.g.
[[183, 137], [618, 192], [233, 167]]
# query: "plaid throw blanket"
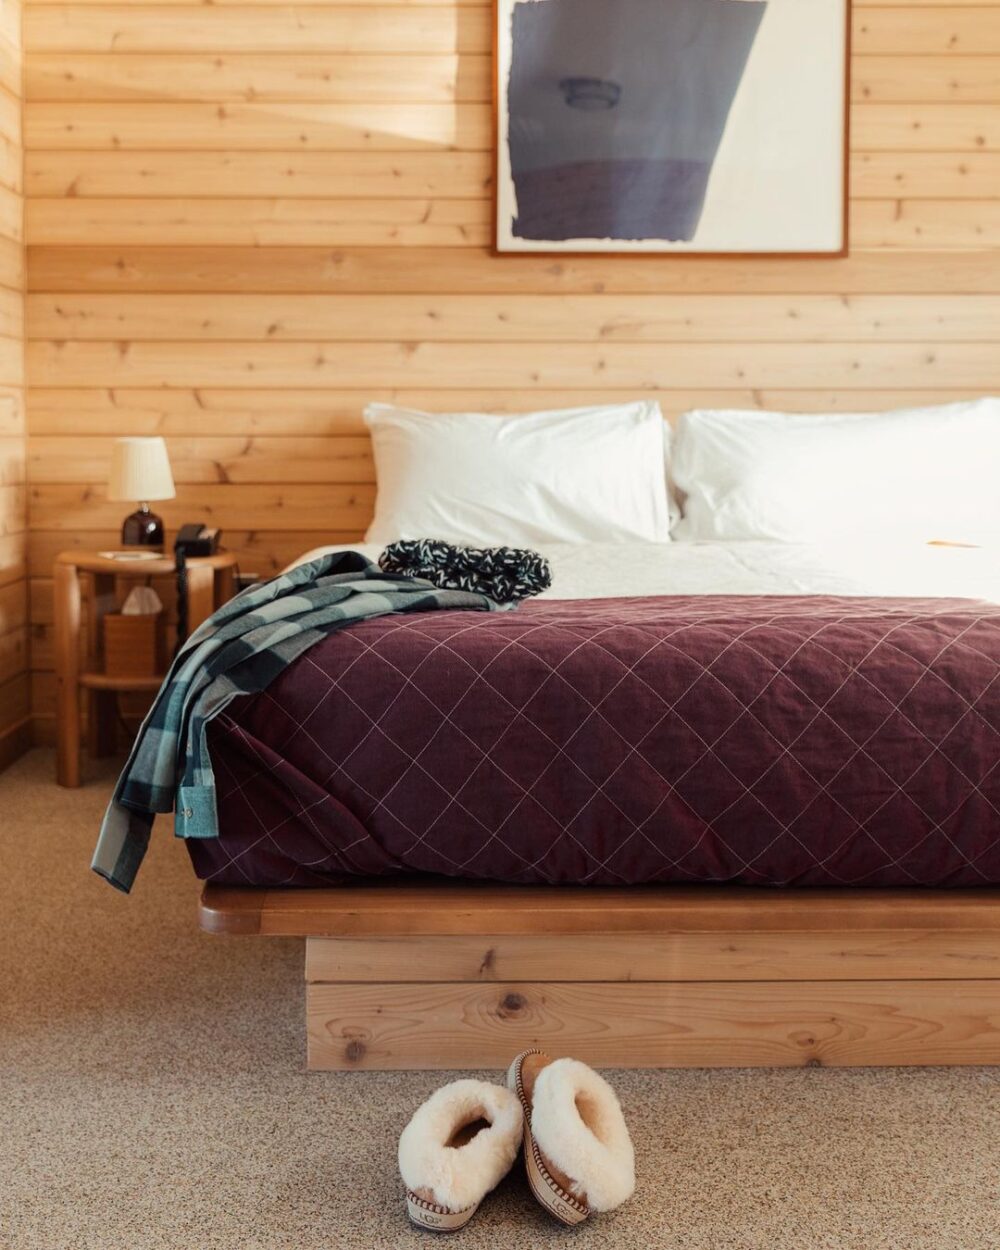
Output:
[[238, 651]]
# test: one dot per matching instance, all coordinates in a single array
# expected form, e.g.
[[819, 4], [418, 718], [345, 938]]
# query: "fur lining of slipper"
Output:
[[577, 1121], [459, 1176]]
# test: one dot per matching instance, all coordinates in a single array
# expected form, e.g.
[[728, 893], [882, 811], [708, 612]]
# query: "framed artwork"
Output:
[[672, 126]]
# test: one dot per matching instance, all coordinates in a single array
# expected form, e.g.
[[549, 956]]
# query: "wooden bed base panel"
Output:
[[463, 975]]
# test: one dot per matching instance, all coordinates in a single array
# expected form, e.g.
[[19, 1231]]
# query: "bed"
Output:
[[622, 820]]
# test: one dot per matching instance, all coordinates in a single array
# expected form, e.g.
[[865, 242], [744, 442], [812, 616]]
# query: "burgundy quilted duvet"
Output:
[[769, 741]]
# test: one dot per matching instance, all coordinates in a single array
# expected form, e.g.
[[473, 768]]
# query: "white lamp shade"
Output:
[[140, 470]]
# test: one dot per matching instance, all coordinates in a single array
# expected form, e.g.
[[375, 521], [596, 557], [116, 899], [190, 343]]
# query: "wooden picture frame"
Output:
[[547, 189]]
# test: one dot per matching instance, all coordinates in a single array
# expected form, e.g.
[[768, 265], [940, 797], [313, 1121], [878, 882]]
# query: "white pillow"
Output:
[[579, 475], [915, 474]]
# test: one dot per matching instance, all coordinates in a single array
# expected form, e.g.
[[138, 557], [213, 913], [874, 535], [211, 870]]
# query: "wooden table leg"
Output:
[[201, 594], [66, 606], [225, 585]]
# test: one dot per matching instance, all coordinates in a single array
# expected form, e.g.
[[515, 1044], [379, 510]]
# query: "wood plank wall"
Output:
[[247, 218], [15, 703]]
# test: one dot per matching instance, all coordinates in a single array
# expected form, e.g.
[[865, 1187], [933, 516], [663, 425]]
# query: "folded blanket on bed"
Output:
[[239, 651], [506, 574]]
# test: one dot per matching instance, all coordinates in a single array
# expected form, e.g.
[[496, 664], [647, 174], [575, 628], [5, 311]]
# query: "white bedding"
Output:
[[593, 571]]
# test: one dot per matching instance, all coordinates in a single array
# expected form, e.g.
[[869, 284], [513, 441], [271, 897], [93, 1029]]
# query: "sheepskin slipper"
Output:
[[577, 1151], [457, 1147]]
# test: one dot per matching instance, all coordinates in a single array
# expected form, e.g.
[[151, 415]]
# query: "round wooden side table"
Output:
[[211, 581]]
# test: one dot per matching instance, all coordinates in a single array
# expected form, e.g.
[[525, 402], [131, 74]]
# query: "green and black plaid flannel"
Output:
[[238, 651]]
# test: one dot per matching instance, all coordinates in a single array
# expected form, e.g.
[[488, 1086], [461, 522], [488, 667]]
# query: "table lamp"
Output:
[[140, 470]]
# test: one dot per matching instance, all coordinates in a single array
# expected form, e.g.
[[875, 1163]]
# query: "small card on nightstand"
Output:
[[131, 555]]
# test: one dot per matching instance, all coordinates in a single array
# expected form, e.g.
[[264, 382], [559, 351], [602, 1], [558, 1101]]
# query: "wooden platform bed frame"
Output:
[[463, 975]]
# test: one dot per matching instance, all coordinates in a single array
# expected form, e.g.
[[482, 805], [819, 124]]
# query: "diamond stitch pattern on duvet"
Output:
[[762, 740]]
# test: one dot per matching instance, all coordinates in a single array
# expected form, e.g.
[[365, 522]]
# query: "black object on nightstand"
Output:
[[192, 540]]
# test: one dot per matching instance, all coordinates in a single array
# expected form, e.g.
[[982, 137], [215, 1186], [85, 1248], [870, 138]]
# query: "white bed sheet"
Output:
[[598, 571]]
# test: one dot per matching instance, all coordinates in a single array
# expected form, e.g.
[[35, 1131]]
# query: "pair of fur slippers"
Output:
[[463, 1141]]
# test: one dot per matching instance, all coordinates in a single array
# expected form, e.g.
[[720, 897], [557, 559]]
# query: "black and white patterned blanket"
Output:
[[504, 574]]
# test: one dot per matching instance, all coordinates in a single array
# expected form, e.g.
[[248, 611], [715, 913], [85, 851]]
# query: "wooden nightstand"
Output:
[[211, 581]]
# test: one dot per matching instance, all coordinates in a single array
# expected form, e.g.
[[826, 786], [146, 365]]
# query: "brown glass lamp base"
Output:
[[142, 528]]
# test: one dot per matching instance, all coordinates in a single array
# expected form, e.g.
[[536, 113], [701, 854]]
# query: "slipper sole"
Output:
[[437, 1219], [559, 1204]]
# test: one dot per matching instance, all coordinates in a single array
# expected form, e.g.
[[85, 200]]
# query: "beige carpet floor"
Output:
[[152, 1094]]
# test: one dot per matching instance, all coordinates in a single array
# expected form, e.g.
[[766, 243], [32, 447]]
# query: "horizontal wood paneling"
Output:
[[415, 175], [15, 704], [924, 175], [64, 458], [12, 264], [10, 115], [13, 509], [924, 127], [11, 170], [926, 79], [399, 127], [946, 29], [300, 506], [460, 223], [13, 608], [416, 77], [422, 28], [13, 654], [12, 415], [11, 363], [11, 319], [326, 4], [909, 224], [292, 412], [420, 270], [486, 318], [271, 28], [13, 557], [305, 175], [15, 742], [329, 76], [246, 220], [343, 222], [10, 67], [14, 637], [522, 365], [12, 461], [859, 4], [295, 126]]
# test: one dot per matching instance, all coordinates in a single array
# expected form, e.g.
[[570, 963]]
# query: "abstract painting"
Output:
[[706, 126]]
